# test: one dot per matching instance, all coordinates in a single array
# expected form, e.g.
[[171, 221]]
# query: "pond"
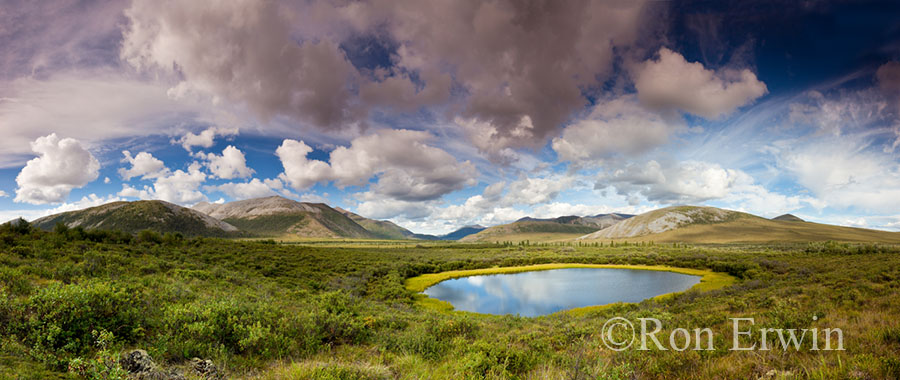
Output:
[[536, 293]]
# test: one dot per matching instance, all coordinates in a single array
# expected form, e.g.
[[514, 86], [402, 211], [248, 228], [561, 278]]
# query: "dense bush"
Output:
[[14, 281], [228, 325], [336, 317], [388, 287], [58, 321], [259, 328], [149, 236]]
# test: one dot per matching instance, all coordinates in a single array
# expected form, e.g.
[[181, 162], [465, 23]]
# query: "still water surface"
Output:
[[531, 294]]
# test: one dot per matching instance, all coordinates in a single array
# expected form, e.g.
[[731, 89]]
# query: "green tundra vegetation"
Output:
[[72, 300]]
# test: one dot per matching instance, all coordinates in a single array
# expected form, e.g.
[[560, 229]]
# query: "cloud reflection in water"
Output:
[[543, 292]]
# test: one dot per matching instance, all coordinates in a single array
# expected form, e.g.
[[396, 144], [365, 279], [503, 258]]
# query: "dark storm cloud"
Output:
[[519, 66], [522, 64], [241, 51]]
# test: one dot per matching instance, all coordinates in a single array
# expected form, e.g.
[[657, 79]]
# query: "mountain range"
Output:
[[280, 217], [271, 217], [561, 228], [285, 219], [135, 216], [714, 225]]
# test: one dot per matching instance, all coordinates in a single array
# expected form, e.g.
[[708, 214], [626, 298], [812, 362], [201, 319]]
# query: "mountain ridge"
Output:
[[384, 229], [701, 224], [563, 227], [285, 218], [277, 216], [135, 216], [665, 219]]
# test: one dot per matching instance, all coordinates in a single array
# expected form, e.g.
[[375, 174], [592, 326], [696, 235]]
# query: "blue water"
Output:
[[531, 294]]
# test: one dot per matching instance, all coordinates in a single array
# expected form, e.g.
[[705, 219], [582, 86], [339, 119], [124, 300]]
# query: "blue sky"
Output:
[[441, 114]]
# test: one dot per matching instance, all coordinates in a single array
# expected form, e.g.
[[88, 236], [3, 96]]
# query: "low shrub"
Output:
[[213, 328], [58, 321], [14, 281]]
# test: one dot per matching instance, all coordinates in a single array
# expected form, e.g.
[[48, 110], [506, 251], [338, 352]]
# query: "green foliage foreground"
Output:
[[71, 301]]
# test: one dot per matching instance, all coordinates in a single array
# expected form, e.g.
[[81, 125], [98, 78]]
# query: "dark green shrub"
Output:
[[23, 251], [389, 288], [336, 316], [173, 238], [14, 281], [60, 228], [19, 226], [149, 236], [57, 321], [209, 328]]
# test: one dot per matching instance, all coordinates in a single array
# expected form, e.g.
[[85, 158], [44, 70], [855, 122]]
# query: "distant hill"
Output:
[[136, 216], [462, 232], [788, 218], [282, 217], [665, 219], [693, 224], [381, 229], [564, 227]]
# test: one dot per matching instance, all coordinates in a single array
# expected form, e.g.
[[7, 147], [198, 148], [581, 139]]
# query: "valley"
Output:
[[340, 297], [331, 309]]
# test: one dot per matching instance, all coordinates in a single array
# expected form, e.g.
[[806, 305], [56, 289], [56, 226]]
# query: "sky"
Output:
[[445, 113]]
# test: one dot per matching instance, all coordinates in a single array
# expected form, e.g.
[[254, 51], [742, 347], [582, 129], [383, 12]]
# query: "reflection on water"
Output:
[[543, 292]]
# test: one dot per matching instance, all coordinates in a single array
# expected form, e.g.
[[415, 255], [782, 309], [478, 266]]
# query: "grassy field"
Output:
[[344, 310]]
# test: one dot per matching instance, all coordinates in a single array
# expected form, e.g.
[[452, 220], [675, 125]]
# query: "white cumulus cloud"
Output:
[[671, 82], [181, 187], [205, 139], [143, 165], [61, 165], [406, 166], [299, 171], [685, 182], [378, 207], [618, 126], [230, 164], [535, 190]]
